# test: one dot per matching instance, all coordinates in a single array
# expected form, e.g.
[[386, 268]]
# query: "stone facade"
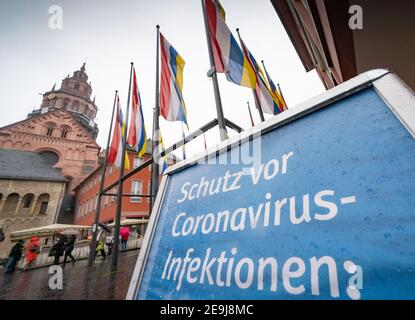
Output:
[[27, 204]]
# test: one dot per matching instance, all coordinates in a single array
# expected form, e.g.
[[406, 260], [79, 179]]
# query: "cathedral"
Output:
[[63, 132]]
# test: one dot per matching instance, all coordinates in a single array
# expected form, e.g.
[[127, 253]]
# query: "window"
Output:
[[77, 86], [43, 207], [91, 205], [49, 131], [28, 200], [42, 203], [136, 188], [96, 202], [114, 190], [105, 201], [64, 133], [137, 162]]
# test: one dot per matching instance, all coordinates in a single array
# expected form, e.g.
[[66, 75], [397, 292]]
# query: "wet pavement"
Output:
[[79, 281]]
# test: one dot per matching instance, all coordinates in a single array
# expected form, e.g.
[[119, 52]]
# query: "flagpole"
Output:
[[250, 114], [183, 147], [256, 98], [266, 72], [93, 243], [258, 105], [114, 256], [212, 73], [156, 126], [269, 81]]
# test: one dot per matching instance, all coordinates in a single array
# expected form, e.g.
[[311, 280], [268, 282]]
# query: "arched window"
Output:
[[75, 105], [50, 126], [66, 103], [10, 205], [42, 204], [64, 132], [51, 157], [50, 130], [77, 86], [28, 200]]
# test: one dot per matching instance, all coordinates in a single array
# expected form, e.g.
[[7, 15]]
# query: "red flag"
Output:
[[137, 132], [116, 136]]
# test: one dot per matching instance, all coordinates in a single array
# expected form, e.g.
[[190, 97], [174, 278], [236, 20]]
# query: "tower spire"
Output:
[[83, 67]]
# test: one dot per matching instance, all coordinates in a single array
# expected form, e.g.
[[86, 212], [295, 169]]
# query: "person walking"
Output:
[[69, 246], [125, 234], [110, 244], [14, 257], [101, 248], [57, 249], [32, 251]]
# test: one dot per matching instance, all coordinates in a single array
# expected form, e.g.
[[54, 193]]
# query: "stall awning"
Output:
[[129, 222], [45, 231]]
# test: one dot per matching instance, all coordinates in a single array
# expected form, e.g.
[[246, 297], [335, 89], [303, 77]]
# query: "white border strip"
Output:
[[400, 99]]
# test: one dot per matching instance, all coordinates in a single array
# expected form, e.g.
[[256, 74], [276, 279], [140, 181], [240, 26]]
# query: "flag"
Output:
[[267, 100], [227, 54], [163, 160], [282, 97], [115, 152], [172, 106], [137, 137], [276, 91]]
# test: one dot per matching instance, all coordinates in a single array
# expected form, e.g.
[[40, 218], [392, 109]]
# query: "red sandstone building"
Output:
[[86, 193]]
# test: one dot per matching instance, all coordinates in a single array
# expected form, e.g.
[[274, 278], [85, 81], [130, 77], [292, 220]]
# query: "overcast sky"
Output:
[[109, 34]]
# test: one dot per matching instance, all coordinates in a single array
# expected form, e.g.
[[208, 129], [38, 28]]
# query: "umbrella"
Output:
[[124, 231], [70, 232], [104, 227]]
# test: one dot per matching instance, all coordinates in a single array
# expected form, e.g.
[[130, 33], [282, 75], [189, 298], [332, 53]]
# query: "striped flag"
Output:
[[227, 54], [276, 91], [267, 99], [137, 137], [115, 152], [172, 106]]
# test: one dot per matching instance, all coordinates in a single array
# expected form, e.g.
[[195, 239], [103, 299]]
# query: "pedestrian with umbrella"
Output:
[[125, 234], [57, 249]]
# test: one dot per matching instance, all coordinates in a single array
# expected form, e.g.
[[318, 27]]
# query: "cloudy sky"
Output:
[[109, 34]]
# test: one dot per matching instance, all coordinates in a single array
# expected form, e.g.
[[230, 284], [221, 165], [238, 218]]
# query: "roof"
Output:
[[26, 165], [46, 230]]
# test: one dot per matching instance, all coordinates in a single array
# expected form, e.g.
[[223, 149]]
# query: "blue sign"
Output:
[[327, 213]]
